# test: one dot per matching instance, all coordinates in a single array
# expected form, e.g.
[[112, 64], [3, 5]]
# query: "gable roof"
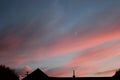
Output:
[[36, 75], [40, 75]]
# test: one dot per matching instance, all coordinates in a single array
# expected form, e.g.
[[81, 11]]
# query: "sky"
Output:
[[59, 36]]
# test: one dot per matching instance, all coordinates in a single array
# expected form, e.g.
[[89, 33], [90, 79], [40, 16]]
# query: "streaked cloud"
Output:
[[59, 36]]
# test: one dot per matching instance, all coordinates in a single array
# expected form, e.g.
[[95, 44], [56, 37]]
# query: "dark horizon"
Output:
[[38, 74], [8, 73]]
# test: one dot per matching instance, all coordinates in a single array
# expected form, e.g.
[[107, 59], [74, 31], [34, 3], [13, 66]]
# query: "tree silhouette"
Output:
[[7, 74], [117, 74]]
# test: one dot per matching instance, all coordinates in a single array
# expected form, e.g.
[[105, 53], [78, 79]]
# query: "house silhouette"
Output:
[[36, 75], [40, 75]]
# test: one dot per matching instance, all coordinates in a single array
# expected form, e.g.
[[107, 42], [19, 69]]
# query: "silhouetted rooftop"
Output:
[[36, 75], [39, 75]]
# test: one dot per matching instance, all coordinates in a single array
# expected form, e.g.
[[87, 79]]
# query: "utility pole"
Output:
[[73, 74]]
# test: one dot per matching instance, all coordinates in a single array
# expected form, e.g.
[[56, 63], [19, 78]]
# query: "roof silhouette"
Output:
[[36, 75], [39, 75]]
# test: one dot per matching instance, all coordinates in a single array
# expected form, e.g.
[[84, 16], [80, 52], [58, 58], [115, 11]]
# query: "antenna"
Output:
[[27, 73], [73, 73]]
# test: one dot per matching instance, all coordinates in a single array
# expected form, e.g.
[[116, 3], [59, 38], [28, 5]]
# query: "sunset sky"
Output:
[[59, 36]]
